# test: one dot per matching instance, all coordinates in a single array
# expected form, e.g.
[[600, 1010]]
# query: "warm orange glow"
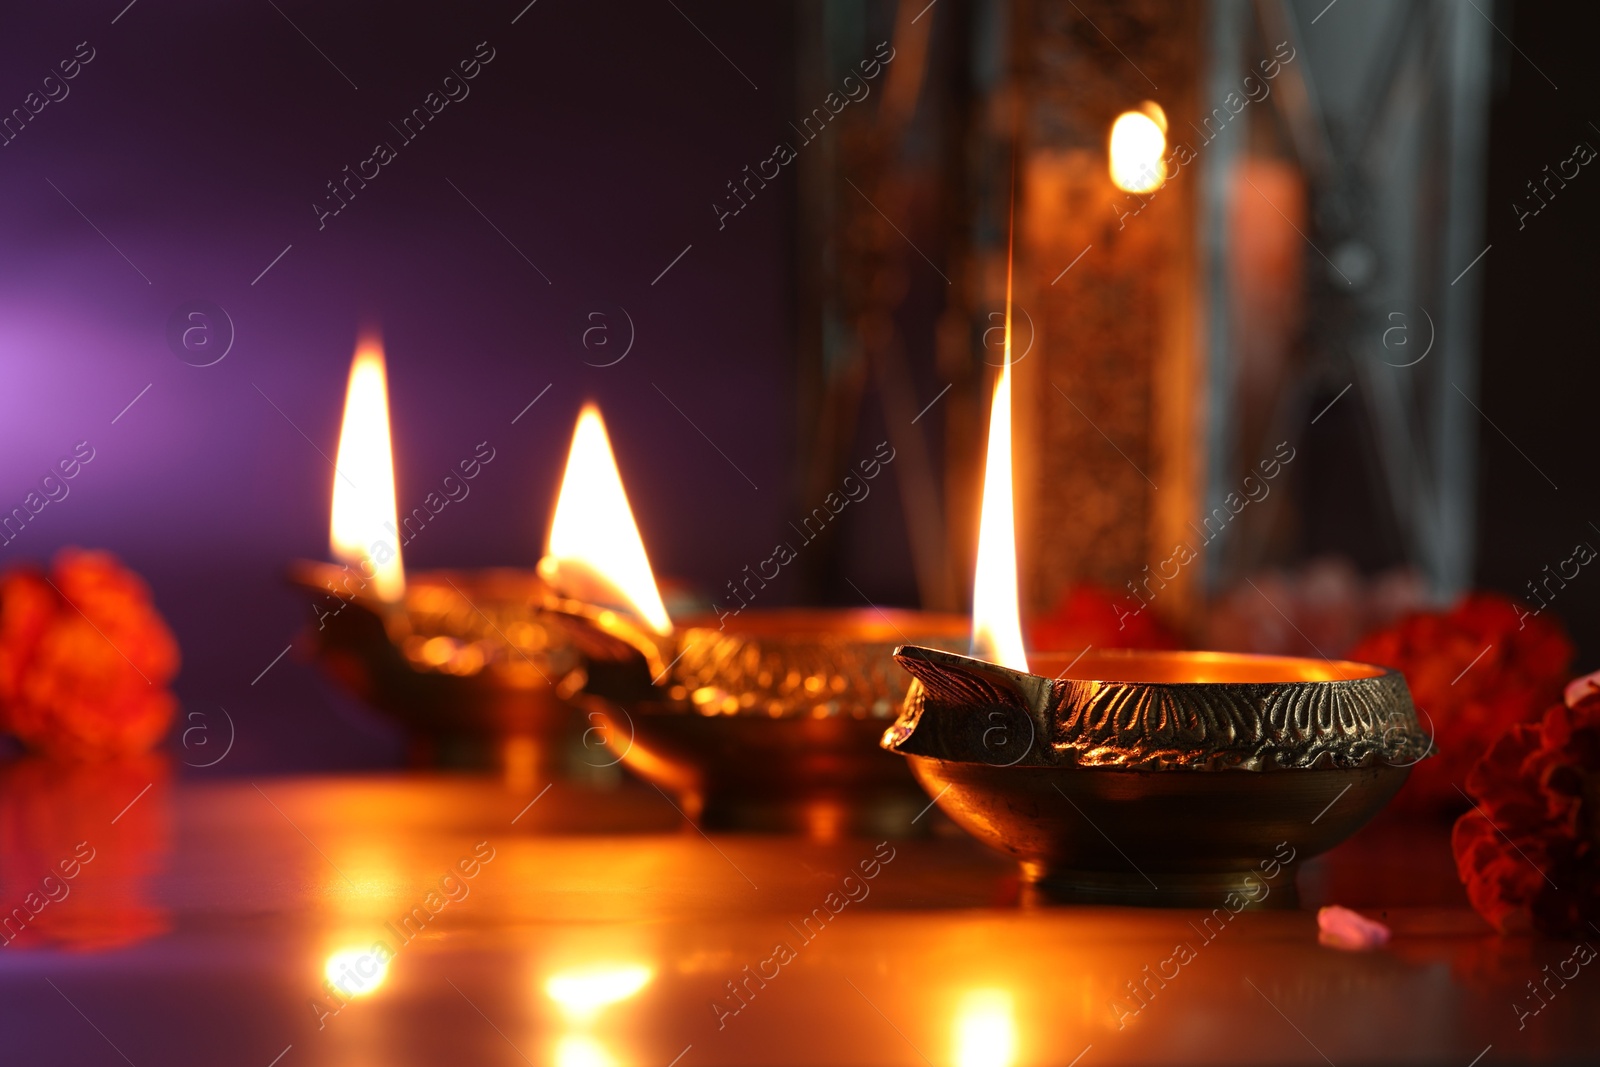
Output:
[[581, 1050], [355, 972], [362, 531], [996, 623], [986, 1029], [1138, 149], [593, 524], [581, 994]]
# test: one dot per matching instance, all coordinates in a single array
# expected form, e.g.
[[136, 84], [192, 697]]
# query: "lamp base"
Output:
[[1234, 891], [1185, 838], [465, 663]]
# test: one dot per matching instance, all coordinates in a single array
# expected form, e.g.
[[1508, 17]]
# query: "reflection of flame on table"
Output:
[[581, 995], [985, 1029], [356, 972], [122, 810]]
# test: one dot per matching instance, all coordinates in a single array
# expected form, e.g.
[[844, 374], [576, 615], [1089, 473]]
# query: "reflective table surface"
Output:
[[397, 920]]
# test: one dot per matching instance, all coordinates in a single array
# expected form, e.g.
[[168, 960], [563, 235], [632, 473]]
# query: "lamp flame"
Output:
[[1138, 149], [996, 623], [363, 527], [593, 526]]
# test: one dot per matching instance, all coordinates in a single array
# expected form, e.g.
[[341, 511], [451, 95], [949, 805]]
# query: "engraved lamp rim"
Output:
[[1145, 710]]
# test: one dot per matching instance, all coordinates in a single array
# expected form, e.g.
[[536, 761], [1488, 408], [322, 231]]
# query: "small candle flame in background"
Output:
[[985, 1029], [1139, 148], [362, 530], [593, 537], [996, 622]]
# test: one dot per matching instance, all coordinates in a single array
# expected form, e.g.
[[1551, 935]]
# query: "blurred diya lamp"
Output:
[[767, 723], [766, 720], [467, 662], [1164, 778]]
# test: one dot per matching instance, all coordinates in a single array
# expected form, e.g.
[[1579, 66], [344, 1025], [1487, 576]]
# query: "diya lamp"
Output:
[[1165, 778], [764, 720], [465, 660]]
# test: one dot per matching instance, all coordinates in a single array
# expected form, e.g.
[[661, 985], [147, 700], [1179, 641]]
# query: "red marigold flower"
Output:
[[1473, 671], [1091, 615], [84, 659], [1529, 851]]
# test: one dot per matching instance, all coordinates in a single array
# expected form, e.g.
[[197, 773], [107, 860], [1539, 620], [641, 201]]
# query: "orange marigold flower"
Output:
[[84, 659]]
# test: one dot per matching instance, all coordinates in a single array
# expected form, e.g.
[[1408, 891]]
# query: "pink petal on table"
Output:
[[1579, 688], [1342, 928]]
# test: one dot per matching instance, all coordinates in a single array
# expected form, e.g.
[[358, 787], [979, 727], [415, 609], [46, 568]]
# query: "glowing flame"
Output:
[[356, 972], [996, 624], [593, 525], [581, 994], [363, 528], [1139, 148], [986, 1030]]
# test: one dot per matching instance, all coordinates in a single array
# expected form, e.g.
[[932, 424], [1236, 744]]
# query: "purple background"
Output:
[[200, 135], [197, 140]]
